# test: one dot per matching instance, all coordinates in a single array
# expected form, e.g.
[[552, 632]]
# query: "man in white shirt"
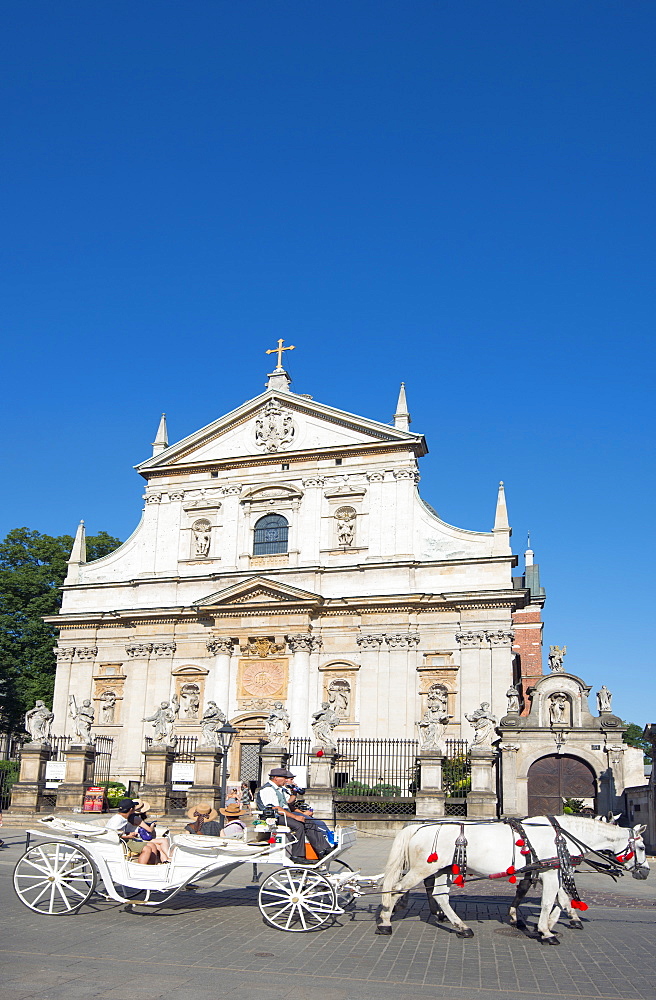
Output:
[[275, 793], [146, 852]]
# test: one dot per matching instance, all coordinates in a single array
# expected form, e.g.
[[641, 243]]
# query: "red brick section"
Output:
[[527, 625]]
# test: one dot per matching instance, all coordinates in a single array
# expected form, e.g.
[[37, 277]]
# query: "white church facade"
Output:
[[285, 554]]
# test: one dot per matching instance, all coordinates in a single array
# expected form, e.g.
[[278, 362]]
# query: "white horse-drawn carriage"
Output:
[[60, 875]]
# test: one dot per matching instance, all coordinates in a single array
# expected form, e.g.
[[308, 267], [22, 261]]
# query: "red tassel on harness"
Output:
[[520, 843], [624, 857], [319, 753], [525, 850], [512, 879], [511, 870], [431, 858], [578, 905], [459, 881], [583, 906], [455, 869]]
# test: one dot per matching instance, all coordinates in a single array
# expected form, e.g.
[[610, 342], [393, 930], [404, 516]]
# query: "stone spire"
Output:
[[161, 442], [78, 555], [402, 417], [501, 530]]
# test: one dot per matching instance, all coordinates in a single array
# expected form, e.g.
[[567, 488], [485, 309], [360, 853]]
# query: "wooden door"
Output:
[[554, 778]]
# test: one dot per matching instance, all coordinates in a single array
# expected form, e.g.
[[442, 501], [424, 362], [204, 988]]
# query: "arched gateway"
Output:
[[556, 777]]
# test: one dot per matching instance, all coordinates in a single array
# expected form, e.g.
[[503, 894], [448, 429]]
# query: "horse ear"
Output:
[[616, 816], [639, 829]]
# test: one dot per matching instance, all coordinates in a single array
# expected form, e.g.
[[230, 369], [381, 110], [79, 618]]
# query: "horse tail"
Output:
[[398, 860]]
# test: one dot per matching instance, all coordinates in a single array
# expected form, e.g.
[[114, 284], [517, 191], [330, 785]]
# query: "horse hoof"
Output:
[[465, 934], [441, 916], [576, 925], [384, 930]]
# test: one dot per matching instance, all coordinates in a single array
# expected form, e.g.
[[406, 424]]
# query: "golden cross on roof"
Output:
[[278, 350]]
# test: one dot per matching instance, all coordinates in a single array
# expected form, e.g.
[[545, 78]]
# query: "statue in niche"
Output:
[[345, 518], [38, 722], [202, 532], [604, 699], [339, 697], [213, 719], [484, 724], [435, 719], [83, 718], [323, 723], [190, 695], [558, 709], [163, 721], [277, 725], [107, 707], [556, 657], [512, 694]]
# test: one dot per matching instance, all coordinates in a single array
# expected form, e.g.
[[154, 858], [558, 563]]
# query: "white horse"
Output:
[[492, 848]]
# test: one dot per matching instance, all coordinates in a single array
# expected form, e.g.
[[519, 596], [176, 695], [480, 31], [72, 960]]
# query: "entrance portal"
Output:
[[556, 777]]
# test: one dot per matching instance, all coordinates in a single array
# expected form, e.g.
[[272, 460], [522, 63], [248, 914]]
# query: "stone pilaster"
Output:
[[80, 764], [482, 799], [221, 649], [430, 796], [27, 793], [301, 645], [157, 778], [273, 757], [207, 777]]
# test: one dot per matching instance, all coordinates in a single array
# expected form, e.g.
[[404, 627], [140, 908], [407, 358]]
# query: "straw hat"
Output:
[[204, 808], [142, 806], [233, 809]]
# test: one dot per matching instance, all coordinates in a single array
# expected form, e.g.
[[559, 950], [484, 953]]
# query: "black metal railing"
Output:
[[375, 778], [299, 752], [103, 762], [58, 747], [184, 750], [456, 776]]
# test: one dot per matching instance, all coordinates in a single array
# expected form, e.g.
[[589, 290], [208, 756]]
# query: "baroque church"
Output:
[[285, 554]]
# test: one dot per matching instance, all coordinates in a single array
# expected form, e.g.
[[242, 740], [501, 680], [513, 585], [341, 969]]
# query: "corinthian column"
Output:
[[301, 645], [221, 648]]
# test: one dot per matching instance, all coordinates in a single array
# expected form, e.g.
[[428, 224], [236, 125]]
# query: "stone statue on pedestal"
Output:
[[604, 699], [556, 657], [484, 724], [277, 725], [163, 722], [213, 719], [38, 722], [323, 723], [434, 721], [512, 694], [83, 719]]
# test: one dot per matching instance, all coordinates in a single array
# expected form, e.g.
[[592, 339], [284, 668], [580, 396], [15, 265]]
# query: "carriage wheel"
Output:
[[296, 899], [54, 878]]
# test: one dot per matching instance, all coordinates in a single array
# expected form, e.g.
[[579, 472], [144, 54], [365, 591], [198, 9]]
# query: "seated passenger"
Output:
[[203, 818], [233, 828], [146, 830], [146, 852]]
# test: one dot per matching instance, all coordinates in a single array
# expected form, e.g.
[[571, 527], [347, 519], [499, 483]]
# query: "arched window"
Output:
[[270, 535]]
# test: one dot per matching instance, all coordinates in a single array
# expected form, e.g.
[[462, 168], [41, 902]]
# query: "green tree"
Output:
[[633, 736], [32, 570]]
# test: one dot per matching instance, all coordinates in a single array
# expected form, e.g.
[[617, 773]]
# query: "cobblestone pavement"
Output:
[[212, 942]]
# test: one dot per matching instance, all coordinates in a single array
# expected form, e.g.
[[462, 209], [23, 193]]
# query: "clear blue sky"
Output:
[[460, 195]]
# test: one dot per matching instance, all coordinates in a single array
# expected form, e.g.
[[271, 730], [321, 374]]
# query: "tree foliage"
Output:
[[633, 736], [32, 570]]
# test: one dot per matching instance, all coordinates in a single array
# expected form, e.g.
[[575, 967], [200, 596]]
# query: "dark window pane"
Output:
[[270, 535]]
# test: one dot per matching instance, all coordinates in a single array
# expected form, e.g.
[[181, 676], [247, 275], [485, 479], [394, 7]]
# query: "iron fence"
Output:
[[184, 751], [375, 778], [456, 777], [103, 761], [299, 752]]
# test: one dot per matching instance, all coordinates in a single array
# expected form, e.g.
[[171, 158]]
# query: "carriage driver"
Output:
[[276, 794]]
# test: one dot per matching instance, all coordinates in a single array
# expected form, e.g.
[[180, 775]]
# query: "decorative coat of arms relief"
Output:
[[274, 428]]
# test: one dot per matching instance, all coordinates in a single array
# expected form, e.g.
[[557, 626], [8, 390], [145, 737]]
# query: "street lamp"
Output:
[[226, 735]]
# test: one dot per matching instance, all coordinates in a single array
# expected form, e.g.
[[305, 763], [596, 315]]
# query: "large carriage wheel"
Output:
[[296, 899], [54, 878]]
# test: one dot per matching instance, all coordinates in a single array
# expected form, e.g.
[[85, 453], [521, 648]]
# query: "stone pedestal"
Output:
[[28, 791], [320, 790], [156, 788], [272, 757], [482, 799], [80, 764], [207, 777], [430, 795]]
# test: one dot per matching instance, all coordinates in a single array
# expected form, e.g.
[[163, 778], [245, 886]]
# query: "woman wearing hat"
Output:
[[233, 828], [203, 816]]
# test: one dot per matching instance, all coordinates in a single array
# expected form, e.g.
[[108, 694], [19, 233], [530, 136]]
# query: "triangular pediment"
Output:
[[279, 423], [260, 591]]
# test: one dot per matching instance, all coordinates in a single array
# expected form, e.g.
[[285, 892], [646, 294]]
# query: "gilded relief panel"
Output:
[[262, 678]]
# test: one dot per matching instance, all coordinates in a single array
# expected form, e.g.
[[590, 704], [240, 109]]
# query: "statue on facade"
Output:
[[557, 709], [213, 719], [434, 721], [345, 518], [202, 532], [190, 695], [323, 723], [38, 722], [83, 719], [163, 722], [339, 697], [556, 657], [512, 694], [604, 698], [277, 725], [107, 708], [484, 724]]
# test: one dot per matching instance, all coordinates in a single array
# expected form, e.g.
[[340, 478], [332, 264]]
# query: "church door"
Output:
[[554, 778]]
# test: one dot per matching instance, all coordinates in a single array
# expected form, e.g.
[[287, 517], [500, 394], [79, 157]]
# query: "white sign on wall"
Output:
[[182, 775], [55, 772]]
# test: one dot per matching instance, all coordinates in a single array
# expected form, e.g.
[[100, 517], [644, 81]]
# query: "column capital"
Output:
[[139, 650], [500, 637], [402, 640], [370, 640], [219, 644], [470, 638], [304, 642]]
